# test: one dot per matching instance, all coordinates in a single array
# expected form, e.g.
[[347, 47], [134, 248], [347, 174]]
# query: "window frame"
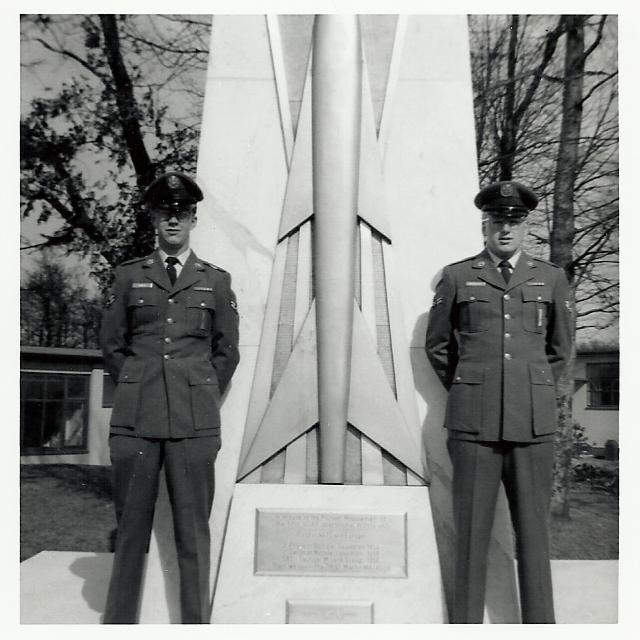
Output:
[[81, 448], [598, 392]]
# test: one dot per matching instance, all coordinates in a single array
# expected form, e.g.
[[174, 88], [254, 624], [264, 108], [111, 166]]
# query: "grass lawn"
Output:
[[592, 531], [67, 507]]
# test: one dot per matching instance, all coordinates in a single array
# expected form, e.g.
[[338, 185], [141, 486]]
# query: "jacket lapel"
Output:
[[486, 270], [525, 270], [156, 272], [192, 272]]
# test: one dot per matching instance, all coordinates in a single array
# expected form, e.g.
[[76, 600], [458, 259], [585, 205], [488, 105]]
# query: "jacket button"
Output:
[[507, 316], [507, 356], [472, 297], [140, 300], [202, 304], [539, 297], [458, 378], [507, 335], [170, 320], [166, 356], [167, 339], [506, 296], [171, 301]]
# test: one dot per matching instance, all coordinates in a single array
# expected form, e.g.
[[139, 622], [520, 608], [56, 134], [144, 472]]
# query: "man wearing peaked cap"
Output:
[[170, 342], [498, 337]]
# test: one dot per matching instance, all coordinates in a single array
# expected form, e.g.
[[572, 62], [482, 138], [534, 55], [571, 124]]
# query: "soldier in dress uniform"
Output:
[[170, 341], [498, 337]]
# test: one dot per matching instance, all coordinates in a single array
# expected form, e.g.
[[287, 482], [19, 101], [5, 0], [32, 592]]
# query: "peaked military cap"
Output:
[[506, 199], [172, 188]]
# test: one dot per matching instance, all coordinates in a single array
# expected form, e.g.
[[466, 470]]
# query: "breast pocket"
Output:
[[142, 307], [200, 309], [536, 302], [474, 309]]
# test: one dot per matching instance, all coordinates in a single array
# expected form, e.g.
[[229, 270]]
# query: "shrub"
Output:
[[602, 477]]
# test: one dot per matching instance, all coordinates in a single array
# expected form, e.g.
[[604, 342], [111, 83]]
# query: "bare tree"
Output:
[[57, 309]]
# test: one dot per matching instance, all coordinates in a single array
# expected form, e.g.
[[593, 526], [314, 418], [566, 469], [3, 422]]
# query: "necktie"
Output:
[[505, 270], [171, 268]]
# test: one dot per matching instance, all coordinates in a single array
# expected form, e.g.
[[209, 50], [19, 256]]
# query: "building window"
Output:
[[603, 385], [53, 415]]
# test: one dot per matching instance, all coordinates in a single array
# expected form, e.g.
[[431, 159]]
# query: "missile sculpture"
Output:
[[333, 375], [336, 107]]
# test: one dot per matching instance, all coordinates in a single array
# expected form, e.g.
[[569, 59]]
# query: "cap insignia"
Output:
[[173, 182], [506, 190]]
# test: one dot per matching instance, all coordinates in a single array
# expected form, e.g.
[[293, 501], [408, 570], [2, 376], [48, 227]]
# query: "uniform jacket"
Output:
[[171, 349], [499, 347]]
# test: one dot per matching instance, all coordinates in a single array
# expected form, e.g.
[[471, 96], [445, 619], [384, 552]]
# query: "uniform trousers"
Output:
[[189, 470], [527, 473]]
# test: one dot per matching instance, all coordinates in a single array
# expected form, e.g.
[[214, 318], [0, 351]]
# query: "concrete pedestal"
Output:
[[350, 554]]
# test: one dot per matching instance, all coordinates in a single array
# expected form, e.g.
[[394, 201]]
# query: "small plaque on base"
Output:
[[329, 612]]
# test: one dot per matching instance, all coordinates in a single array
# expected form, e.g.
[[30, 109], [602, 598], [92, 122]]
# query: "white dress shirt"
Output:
[[182, 258], [513, 260]]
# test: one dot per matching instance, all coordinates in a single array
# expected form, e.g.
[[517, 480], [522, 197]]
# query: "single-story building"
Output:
[[65, 404], [597, 390]]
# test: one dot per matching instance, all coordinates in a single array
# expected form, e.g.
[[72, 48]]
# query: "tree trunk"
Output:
[[509, 124], [562, 236], [144, 237]]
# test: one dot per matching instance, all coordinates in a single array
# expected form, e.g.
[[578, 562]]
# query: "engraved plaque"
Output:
[[329, 612], [330, 543]]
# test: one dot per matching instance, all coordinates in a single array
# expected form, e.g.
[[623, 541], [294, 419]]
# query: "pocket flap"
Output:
[[201, 300], [142, 298], [541, 375], [203, 374], [132, 371], [473, 294], [468, 375], [536, 294]]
